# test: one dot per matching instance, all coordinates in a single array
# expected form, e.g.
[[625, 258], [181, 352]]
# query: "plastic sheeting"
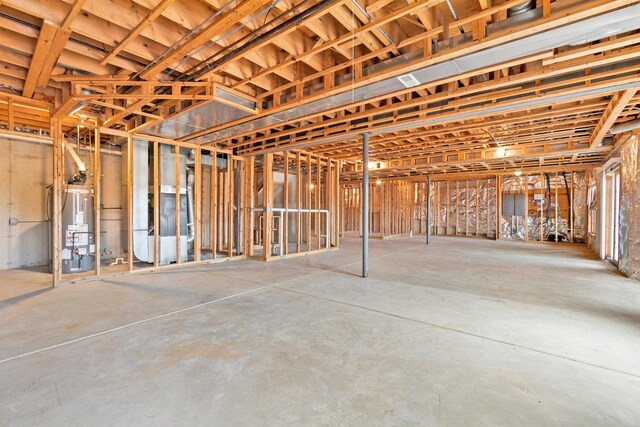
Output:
[[513, 227], [442, 209], [552, 200], [492, 211], [629, 262], [465, 207], [483, 206], [579, 207], [461, 220], [472, 202]]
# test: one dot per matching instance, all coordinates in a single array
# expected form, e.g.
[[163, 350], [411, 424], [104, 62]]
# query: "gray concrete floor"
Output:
[[463, 332]]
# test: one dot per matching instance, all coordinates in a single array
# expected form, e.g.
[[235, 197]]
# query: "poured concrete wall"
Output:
[[25, 172]]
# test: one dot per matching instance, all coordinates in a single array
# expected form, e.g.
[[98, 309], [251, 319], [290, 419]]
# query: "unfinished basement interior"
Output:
[[320, 212]]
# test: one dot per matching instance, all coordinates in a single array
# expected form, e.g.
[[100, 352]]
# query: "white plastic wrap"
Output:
[[630, 209], [492, 211], [533, 222], [452, 211], [513, 227], [456, 211], [483, 201], [461, 219], [471, 208], [579, 207], [443, 208]]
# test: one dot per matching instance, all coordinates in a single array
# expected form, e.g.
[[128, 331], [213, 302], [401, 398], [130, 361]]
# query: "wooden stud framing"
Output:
[[499, 207], [526, 207], [542, 206], [130, 143], [176, 156], [285, 215], [58, 179], [229, 187], [299, 189], [213, 209], [156, 203], [308, 192], [197, 194]]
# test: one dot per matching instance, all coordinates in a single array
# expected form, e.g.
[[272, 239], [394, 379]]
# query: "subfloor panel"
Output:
[[460, 332]]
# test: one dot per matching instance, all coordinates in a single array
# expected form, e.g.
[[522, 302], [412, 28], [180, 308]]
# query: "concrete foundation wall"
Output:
[[25, 172]]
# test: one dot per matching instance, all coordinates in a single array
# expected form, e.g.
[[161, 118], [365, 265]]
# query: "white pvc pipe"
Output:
[[74, 156]]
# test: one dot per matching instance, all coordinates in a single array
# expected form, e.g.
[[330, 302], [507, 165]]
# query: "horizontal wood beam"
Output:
[[617, 104], [45, 40], [137, 30], [220, 25]]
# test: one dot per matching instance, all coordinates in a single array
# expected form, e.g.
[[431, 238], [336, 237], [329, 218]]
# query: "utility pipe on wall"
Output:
[[365, 205]]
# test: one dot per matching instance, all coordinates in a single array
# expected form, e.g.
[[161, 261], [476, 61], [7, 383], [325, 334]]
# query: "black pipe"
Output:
[[566, 186], [245, 39], [286, 24], [548, 196]]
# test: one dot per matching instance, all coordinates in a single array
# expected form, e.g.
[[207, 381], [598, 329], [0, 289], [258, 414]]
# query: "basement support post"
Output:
[[365, 205], [428, 215], [56, 198]]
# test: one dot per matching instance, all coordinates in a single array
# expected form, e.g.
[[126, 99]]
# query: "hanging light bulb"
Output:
[[311, 186], [517, 173], [378, 181], [501, 152]]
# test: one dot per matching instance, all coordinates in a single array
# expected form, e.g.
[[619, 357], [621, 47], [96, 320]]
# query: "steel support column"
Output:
[[428, 202], [365, 205]]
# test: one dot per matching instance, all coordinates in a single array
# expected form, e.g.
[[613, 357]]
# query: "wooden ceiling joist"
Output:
[[153, 14], [617, 104], [222, 23], [45, 40], [552, 109]]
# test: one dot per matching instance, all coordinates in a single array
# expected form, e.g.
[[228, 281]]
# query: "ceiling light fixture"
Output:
[[501, 152]]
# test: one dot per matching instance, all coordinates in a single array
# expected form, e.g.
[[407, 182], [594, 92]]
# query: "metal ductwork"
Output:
[[225, 107], [626, 127], [597, 27], [521, 8]]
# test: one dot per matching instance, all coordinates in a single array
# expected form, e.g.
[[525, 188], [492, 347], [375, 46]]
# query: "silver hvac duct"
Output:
[[526, 104], [606, 25], [625, 127], [521, 8]]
